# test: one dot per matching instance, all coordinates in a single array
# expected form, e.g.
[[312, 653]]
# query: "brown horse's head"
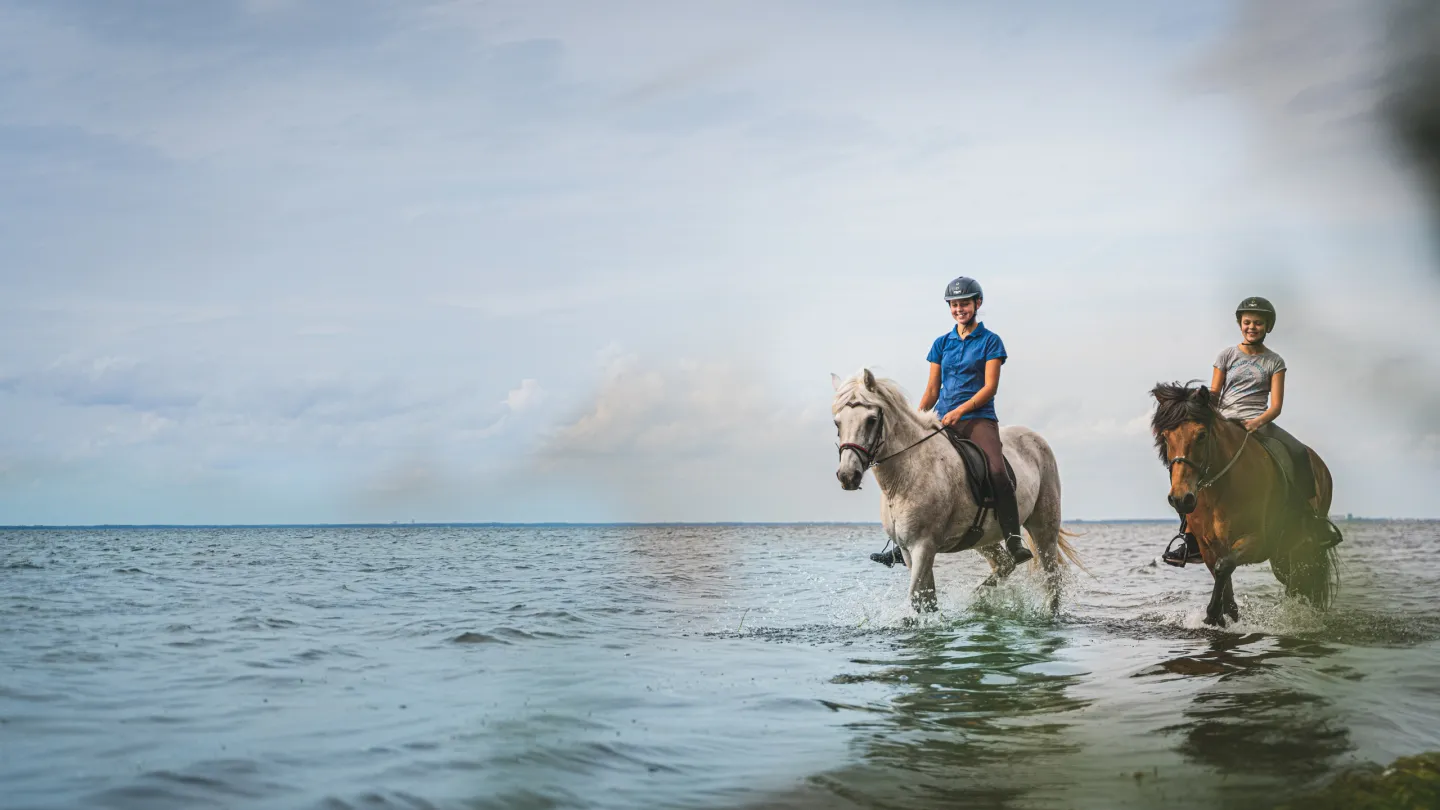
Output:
[[1185, 417]]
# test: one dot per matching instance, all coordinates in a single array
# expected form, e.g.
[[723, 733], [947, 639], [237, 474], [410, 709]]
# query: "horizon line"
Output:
[[547, 524]]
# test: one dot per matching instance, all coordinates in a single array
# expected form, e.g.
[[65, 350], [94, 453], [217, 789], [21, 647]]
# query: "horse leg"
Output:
[[1244, 551], [922, 577], [1215, 613], [1001, 565], [1050, 563], [1043, 524]]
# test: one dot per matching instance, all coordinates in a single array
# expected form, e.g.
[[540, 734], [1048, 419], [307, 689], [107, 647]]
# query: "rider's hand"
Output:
[[1254, 425], [952, 418]]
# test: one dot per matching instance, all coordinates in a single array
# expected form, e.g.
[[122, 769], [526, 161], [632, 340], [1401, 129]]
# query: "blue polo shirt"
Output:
[[962, 368]]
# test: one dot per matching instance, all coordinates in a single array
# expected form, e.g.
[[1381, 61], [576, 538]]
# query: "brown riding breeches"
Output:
[[985, 433]]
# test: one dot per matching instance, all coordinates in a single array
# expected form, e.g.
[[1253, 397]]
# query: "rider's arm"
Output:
[[1277, 401], [986, 392], [932, 389], [1217, 384]]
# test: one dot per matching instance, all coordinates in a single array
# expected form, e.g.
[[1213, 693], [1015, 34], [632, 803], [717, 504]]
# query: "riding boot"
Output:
[[889, 558], [1009, 516], [1016, 546]]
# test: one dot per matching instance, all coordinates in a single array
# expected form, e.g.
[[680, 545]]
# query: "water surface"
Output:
[[673, 666]]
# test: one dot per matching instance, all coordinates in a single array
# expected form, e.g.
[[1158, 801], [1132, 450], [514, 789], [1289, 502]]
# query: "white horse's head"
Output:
[[861, 407]]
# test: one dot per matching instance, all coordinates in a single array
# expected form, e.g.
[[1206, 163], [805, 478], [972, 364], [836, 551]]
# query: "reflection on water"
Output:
[[977, 703], [685, 666], [1259, 725], [988, 713]]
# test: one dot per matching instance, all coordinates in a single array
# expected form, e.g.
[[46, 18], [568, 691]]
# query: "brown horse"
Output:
[[1234, 499]]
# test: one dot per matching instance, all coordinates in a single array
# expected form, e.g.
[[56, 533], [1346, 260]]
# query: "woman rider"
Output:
[[964, 376], [1250, 379]]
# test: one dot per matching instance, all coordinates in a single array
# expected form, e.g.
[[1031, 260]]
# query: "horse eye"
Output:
[[869, 420]]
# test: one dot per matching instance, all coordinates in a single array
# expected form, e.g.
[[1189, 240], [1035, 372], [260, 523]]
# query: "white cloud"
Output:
[[525, 397], [323, 243]]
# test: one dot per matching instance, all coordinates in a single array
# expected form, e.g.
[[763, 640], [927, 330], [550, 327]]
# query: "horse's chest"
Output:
[[906, 520]]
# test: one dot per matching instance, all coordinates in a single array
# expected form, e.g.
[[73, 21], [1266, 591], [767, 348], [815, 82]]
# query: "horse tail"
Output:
[[1068, 551], [1312, 573], [1309, 571], [1312, 570]]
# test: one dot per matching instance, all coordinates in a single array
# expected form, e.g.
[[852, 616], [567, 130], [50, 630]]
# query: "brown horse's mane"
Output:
[[1178, 403]]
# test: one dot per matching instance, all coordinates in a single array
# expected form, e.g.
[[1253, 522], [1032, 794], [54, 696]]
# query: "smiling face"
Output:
[[1253, 327], [963, 310]]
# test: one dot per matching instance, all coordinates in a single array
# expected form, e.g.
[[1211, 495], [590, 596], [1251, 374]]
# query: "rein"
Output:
[[867, 456]]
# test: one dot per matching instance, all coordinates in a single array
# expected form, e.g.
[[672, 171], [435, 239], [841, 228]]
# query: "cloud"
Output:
[[690, 439], [1327, 90], [527, 396], [685, 408], [1412, 78], [310, 252]]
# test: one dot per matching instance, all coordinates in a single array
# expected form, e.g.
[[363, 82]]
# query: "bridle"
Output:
[[1206, 482], [867, 454]]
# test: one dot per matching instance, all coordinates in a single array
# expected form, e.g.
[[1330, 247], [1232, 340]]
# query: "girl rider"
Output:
[[964, 376], [1250, 379]]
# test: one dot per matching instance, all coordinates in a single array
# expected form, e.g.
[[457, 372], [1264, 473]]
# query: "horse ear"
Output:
[[1201, 395], [869, 380], [835, 380]]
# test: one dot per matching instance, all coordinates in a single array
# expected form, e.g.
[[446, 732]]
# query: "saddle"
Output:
[[977, 471], [1285, 463], [982, 489], [1281, 457]]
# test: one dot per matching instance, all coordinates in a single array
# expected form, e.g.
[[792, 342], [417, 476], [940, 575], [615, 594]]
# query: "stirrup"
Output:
[[1188, 552]]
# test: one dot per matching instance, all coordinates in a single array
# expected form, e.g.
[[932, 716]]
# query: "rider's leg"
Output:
[[1313, 523], [1304, 474], [986, 434]]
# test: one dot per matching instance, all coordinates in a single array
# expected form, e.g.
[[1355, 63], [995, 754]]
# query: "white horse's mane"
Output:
[[887, 395]]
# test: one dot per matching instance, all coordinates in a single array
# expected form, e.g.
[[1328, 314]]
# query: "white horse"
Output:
[[925, 502]]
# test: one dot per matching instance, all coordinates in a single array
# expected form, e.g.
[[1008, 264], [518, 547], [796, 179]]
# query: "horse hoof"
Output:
[[1215, 621]]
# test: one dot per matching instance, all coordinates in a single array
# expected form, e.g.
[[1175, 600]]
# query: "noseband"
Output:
[[867, 456]]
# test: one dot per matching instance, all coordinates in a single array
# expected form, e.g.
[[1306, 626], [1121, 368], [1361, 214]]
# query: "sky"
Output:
[[279, 261]]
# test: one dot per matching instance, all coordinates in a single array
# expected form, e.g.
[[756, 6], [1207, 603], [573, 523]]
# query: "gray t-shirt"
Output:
[[1246, 392]]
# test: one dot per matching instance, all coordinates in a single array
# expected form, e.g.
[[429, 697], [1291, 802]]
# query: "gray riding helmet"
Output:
[[1261, 306], [962, 288]]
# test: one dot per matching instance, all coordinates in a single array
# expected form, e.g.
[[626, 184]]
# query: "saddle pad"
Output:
[[977, 472]]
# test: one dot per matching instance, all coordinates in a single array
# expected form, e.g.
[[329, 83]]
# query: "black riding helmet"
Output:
[[1259, 305], [961, 288]]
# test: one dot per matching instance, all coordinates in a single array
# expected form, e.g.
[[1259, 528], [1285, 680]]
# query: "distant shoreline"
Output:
[[505, 525]]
